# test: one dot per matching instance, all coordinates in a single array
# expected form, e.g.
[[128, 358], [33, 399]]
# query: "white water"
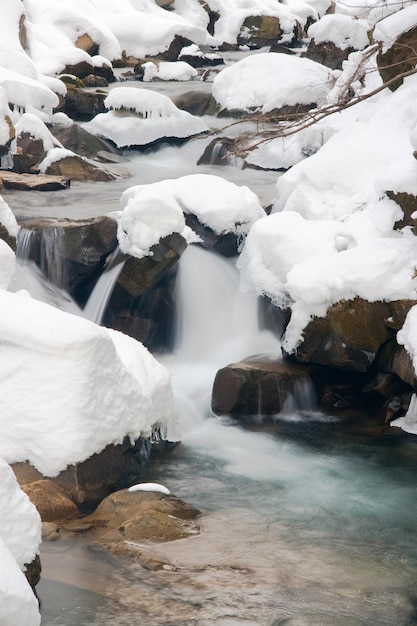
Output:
[[217, 325], [100, 296]]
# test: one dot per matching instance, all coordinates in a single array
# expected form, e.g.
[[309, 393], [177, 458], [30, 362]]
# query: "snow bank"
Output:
[[247, 85], [70, 387], [8, 219], [342, 30], [20, 536], [140, 116], [219, 204], [331, 235]]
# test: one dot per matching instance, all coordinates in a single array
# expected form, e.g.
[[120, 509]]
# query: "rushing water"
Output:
[[308, 522]]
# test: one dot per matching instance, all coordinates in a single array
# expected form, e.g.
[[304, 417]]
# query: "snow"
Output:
[[20, 536], [247, 86], [150, 487], [153, 116], [70, 387], [148, 215], [23, 91], [179, 70], [8, 219], [219, 204], [342, 30], [389, 29], [54, 155]]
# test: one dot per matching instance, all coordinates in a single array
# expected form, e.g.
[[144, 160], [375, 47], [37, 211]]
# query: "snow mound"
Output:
[[268, 81], [342, 30], [150, 487], [85, 387], [179, 70]]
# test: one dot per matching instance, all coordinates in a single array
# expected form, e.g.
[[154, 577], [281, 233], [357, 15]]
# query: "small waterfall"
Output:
[[217, 325], [100, 296], [6, 161]]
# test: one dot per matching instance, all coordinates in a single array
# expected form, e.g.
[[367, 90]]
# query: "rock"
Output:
[[165, 4], [81, 69], [89, 482], [394, 359], [71, 253], [80, 141], [7, 237], [225, 244], [327, 53], [408, 204], [399, 58], [220, 151], [262, 30], [349, 336], [80, 168], [258, 386], [142, 304], [7, 137], [33, 182], [193, 101], [86, 43], [52, 502], [50, 531], [95, 81], [175, 47], [33, 571], [83, 105], [143, 516]]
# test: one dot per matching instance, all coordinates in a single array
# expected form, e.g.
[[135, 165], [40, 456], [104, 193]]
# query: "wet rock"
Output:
[[142, 304], [80, 168], [193, 101], [33, 571], [349, 336], [175, 47], [81, 69], [226, 244], [89, 482], [394, 359], [221, 151], [80, 141], [7, 237], [83, 105], [33, 182], [143, 516], [71, 253], [50, 531], [258, 386], [52, 502]]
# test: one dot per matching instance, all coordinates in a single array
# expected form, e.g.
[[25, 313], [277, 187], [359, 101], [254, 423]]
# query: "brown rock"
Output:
[[327, 53], [83, 105], [143, 516], [86, 43], [260, 30], [408, 204], [257, 386], [52, 502], [81, 69], [89, 482], [33, 182], [394, 359], [399, 58], [80, 168], [349, 336], [80, 141]]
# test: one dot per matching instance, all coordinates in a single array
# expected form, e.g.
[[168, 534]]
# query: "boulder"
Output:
[[399, 58], [80, 168], [174, 49], [33, 182], [83, 105], [142, 303], [225, 244], [89, 482], [262, 30], [220, 151], [52, 502], [86, 43], [71, 253], [408, 204], [348, 337], [80, 141], [261, 386], [327, 53], [95, 81], [194, 101], [394, 359], [81, 69]]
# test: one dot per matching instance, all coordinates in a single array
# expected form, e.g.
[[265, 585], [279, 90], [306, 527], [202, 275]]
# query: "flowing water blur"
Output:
[[310, 522]]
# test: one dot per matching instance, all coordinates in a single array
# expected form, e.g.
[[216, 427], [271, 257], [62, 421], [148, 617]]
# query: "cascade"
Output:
[[99, 297]]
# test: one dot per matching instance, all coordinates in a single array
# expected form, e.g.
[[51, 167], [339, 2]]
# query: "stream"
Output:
[[306, 521]]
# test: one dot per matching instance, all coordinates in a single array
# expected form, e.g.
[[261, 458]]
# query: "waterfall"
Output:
[[217, 325], [100, 296]]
